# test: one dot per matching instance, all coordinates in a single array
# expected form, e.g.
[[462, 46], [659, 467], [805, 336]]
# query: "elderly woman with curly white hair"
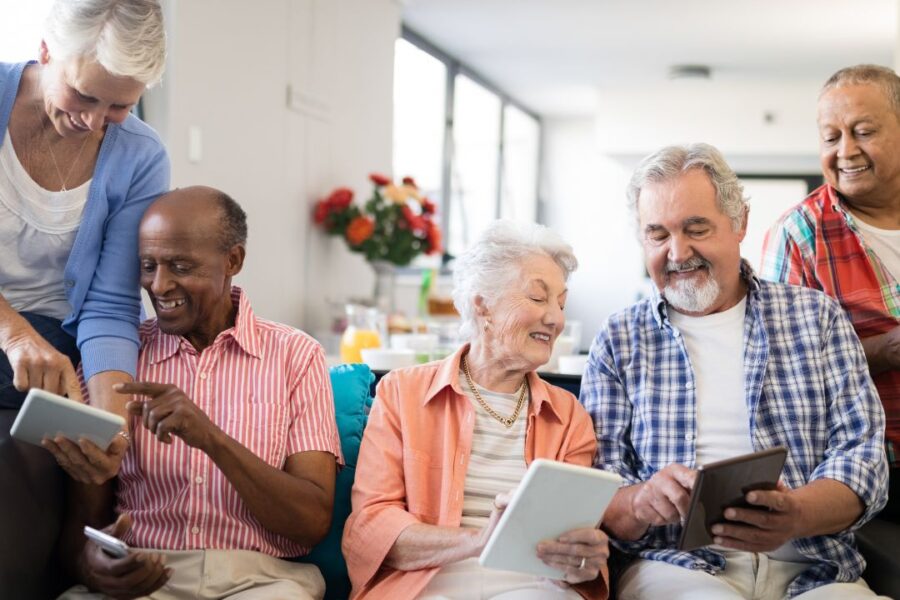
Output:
[[446, 440]]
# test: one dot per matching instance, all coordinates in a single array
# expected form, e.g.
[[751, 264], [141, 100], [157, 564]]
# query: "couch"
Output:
[[33, 486]]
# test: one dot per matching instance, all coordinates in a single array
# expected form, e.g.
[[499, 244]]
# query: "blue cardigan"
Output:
[[101, 275]]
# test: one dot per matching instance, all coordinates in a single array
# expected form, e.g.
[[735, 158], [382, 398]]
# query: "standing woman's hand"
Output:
[[37, 364]]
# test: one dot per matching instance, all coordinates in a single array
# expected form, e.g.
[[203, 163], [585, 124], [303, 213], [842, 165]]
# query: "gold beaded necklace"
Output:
[[520, 402]]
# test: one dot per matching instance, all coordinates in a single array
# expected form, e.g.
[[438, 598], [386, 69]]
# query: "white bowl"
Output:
[[385, 359], [572, 364]]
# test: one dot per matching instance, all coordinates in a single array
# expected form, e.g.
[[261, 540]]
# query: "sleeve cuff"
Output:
[[100, 354]]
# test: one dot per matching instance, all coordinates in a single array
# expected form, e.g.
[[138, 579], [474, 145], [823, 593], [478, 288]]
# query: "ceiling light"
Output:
[[690, 72]]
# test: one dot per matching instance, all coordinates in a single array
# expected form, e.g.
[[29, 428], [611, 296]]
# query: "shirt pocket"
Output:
[[422, 475], [261, 427]]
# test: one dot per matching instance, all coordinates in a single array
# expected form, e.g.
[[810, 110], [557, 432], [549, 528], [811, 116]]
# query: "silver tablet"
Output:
[[553, 498], [44, 414]]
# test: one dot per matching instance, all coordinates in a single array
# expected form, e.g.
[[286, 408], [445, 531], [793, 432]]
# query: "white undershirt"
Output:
[[715, 346], [37, 231], [885, 243]]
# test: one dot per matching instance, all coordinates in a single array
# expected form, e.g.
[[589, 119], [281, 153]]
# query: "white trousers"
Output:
[[231, 574], [467, 580], [747, 576]]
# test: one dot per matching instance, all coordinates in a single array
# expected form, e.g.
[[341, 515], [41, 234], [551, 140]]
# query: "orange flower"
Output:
[[359, 230]]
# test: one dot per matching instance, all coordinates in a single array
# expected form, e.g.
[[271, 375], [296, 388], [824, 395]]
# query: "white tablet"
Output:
[[553, 498], [45, 414]]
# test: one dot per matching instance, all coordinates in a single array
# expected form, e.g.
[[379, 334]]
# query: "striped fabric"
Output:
[[817, 244], [497, 459], [807, 388], [265, 385]]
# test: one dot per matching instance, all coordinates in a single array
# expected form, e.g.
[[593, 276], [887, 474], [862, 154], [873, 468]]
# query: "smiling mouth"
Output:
[[77, 126], [854, 170], [541, 337], [169, 304]]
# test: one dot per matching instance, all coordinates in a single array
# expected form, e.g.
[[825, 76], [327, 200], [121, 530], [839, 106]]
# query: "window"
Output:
[[420, 91], [476, 154], [472, 149]]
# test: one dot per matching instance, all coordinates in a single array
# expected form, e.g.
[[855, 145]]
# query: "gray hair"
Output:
[[882, 77], [490, 266], [125, 37], [672, 161]]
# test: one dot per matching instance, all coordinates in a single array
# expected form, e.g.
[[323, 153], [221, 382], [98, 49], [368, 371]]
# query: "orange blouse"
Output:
[[413, 460]]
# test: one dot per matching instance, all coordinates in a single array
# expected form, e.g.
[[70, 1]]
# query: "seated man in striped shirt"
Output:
[[234, 443], [716, 364]]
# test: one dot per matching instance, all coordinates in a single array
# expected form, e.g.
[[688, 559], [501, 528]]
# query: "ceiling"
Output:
[[555, 56]]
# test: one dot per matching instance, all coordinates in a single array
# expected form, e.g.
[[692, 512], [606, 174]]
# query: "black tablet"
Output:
[[723, 484]]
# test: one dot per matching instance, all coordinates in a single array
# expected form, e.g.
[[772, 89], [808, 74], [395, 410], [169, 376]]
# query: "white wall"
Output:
[[585, 192], [290, 99]]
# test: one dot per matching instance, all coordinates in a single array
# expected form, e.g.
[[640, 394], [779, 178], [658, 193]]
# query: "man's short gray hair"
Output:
[[672, 161], [496, 260], [882, 77], [125, 37]]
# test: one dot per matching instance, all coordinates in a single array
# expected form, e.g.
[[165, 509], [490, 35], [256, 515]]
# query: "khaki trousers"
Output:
[[231, 574], [747, 576]]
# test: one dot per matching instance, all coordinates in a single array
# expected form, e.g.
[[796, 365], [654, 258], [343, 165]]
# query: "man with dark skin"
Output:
[[235, 447], [844, 238]]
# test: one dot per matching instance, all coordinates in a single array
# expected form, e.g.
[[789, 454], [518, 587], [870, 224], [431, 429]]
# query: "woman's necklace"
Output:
[[62, 180], [507, 421]]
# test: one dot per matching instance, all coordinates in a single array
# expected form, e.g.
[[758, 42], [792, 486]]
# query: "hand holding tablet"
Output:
[[725, 484], [554, 498], [47, 415]]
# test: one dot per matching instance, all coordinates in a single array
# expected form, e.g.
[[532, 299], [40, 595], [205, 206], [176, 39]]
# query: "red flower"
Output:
[[428, 207], [415, 222], [410, 181], [379, 179], [359, 230], [321, 213], [340, 198], [433, 238]]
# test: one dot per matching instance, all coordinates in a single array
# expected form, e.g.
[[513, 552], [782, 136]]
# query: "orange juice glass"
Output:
[[354, 340]]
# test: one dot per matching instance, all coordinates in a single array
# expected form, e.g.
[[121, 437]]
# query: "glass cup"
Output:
[[363, 331]]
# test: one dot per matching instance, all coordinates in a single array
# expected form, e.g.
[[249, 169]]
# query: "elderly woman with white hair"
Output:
[[78, 170], [446, 440]]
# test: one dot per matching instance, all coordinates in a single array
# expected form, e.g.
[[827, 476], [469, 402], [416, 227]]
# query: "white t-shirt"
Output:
[[715, 346], [885, 243], [37, 231]]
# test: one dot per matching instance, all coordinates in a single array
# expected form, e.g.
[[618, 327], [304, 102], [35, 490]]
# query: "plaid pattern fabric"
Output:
[[817, 244], [807, 388]]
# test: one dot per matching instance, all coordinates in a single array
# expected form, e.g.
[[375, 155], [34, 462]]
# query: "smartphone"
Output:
[[111, 545]]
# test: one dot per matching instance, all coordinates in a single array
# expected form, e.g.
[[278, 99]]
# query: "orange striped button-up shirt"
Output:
[[413, 461], [264, 384]]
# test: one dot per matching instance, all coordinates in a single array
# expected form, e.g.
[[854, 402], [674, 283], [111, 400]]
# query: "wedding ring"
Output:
[[583, 560]]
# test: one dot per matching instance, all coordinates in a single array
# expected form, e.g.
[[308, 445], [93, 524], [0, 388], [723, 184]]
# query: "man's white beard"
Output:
[[688, 296]]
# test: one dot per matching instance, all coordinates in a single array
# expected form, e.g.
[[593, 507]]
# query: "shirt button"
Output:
[[198, 479], [195, 530], [70, 283], [689, 437], [689, 385], [202, 375]]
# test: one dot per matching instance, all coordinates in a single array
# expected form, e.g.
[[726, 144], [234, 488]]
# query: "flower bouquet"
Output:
[[395, 224]]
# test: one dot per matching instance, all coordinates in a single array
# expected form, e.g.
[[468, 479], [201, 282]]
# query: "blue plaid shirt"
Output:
[[807, 388]]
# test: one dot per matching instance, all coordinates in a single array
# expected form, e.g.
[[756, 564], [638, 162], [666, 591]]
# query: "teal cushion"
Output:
[[351, 385]]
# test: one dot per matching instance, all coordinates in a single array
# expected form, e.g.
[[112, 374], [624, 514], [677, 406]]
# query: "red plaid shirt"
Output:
[[817, 244]]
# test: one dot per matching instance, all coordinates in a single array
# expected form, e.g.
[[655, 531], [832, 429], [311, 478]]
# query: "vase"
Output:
[[383, 291]]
